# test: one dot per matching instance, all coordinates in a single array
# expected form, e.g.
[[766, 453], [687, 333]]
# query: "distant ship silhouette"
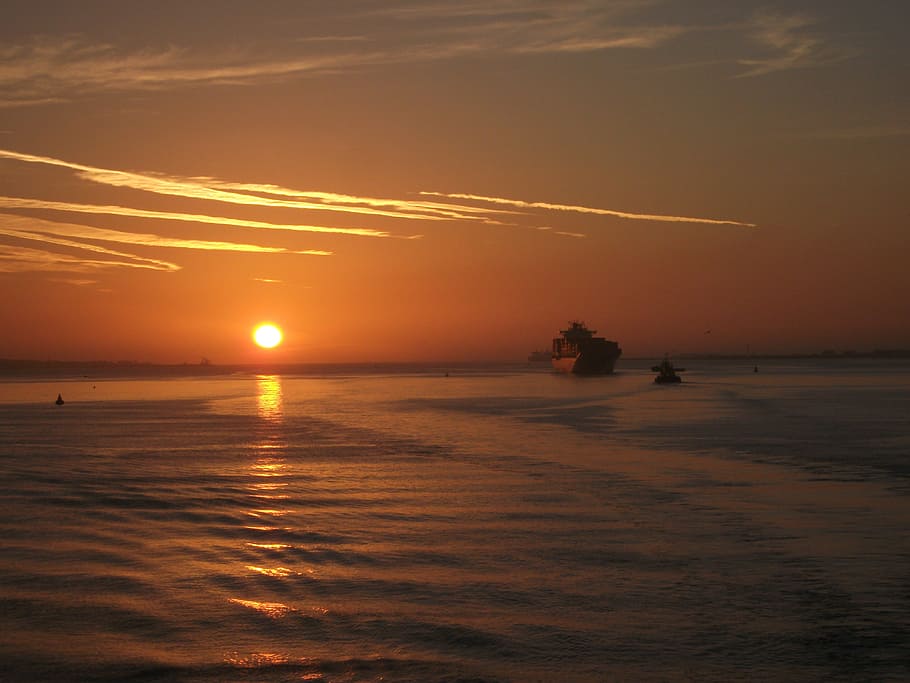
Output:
[[59, 400], [667, 372]]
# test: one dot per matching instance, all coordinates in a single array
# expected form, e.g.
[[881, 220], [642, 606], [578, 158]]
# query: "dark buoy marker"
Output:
[[59, 400]]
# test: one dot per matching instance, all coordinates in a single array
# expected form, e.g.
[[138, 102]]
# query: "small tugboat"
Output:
[[667, 373]]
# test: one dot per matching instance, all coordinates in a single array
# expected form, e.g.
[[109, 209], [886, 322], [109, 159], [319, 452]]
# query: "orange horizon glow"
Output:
[[407, 186]]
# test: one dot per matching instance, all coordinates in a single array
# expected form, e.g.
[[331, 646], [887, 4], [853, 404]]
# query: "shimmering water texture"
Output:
[[505, 525]]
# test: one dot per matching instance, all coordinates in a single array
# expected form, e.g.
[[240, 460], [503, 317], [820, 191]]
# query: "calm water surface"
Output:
[[508, 525]]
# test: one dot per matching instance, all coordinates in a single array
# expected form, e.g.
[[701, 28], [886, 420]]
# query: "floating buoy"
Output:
[[59, 400]]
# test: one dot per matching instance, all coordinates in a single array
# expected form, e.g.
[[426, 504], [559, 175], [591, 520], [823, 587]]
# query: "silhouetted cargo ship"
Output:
[[578, 351]]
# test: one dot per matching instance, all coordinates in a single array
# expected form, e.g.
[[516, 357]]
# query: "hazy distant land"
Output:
[[103, 368]]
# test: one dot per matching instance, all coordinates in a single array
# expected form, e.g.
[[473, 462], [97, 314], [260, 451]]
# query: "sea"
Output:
[[460, 523]]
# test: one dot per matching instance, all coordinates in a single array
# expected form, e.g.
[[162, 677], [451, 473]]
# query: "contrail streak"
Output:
[[23, 203], [587, 209], [212, 189], [137, 261], [22, 259], [86, 232]]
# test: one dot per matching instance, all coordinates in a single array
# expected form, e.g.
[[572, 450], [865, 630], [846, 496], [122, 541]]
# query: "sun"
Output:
[[267, 335]]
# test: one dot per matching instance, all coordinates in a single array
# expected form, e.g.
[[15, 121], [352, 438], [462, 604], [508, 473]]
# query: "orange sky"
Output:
[[399, 181]]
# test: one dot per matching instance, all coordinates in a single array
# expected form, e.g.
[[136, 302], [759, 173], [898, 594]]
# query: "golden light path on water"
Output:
[[269, 464], [267, 473]]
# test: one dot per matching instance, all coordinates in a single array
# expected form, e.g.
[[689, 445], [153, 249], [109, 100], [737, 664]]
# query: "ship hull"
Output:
[[586, 363], [563, 364]]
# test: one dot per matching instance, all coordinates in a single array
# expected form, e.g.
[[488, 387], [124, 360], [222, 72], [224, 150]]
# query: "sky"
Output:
[[451, 181]]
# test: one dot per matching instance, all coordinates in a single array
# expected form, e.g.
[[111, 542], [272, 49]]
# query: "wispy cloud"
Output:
[[790, 43], [50, 69], [112, 210], [76, 282], [19, 259], [81, 237], [87, 232], [368, 205], [54, 69], [457, 207], [15, 259], [561, 233], [640, 38], [253, 194], [536, 26], [264, 195], [589, 210]]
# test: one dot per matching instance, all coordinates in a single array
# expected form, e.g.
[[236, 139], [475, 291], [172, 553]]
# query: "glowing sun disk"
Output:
[[267, 336]]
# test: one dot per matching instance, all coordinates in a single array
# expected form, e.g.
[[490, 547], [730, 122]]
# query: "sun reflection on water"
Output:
[[269, 400], [271, 571], [265, 467], [273, 610], [269, 546], [269, 486], [275, 512], [256, 659]]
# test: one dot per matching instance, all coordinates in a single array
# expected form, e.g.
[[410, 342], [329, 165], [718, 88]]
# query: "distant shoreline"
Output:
[[824, 355], [12, 368]]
